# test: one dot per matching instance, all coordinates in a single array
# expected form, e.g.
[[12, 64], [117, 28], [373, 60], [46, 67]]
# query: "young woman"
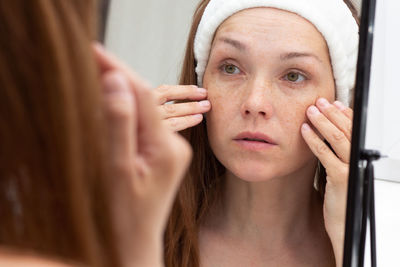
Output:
[[88, 173], [268, 181]]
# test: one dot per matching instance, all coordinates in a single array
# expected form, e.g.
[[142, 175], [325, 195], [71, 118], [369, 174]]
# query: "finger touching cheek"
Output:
[[319, 148], [346, 110]]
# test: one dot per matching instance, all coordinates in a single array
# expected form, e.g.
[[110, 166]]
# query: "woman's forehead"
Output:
[[268, 27], [267, 16]]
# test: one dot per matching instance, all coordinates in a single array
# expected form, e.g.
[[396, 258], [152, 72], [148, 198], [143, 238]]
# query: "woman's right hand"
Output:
[[180, 116]]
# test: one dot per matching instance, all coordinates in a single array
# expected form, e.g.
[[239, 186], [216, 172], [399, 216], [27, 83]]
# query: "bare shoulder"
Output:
[[9, 258]]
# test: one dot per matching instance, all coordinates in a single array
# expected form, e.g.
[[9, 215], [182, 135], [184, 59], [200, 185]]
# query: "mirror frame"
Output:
[[354, 243]]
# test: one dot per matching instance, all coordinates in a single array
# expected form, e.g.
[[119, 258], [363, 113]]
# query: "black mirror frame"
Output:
[[354, 243]]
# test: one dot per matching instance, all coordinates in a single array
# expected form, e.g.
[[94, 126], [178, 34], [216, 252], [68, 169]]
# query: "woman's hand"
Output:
[[179, 116], [146, 163], [334, 123]]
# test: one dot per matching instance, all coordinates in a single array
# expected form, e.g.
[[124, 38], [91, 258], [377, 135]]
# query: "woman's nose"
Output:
[[257, 101]]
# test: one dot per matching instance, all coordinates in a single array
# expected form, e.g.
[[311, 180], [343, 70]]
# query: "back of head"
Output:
[[51, 149]]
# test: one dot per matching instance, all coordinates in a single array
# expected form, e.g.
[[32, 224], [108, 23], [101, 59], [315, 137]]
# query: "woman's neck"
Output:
[[283, 210]]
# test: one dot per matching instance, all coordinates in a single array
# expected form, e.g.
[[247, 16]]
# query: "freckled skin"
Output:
[[259, 99]]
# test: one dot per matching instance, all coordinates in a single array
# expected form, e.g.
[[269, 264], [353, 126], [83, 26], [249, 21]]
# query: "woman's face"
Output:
[[266, 67]]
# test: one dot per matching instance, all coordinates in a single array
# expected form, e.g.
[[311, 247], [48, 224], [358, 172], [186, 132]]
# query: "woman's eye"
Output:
[[230, 69], [295, 77]]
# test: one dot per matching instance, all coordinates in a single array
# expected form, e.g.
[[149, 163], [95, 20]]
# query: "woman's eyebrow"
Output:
[[287, 56], [291, 55], [235, 43]]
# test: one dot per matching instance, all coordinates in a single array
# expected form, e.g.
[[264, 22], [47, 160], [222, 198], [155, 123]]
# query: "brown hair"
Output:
[[52, 183], [203, 184]]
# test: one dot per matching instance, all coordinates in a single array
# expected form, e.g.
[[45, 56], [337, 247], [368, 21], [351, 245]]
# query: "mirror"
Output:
[[233, 213], [381, 133]]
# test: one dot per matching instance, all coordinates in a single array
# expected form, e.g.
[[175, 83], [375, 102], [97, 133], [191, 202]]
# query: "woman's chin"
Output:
[[254, 173]]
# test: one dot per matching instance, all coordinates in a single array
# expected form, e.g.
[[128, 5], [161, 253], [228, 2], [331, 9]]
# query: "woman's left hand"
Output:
[[334, 123]]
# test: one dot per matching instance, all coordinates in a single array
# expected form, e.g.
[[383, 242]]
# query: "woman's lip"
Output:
[[253, 145], [245, 136]]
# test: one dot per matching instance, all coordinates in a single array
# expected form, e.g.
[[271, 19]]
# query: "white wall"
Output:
[[150, 35], [387, 201], [383, 125]]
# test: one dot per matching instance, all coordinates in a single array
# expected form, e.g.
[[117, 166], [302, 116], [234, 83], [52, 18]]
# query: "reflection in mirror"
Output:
[[270, 133]]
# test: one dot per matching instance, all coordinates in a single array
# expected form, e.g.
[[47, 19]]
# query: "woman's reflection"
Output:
[[268, 182]]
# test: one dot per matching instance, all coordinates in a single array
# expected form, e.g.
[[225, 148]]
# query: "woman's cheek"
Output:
[[223, 95], [220, 108], [292, 119]]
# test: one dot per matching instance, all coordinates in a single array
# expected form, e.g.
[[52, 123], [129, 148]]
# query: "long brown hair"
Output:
[[52, 183], [202, 186]]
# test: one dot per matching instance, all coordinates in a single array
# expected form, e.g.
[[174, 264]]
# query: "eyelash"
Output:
[[225, 64], [304, 76]]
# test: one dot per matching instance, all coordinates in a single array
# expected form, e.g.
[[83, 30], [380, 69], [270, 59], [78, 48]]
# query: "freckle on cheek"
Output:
[[296, 115], [217, 102]]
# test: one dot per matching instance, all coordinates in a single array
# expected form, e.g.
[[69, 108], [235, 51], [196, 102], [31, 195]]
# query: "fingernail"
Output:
[[322, 102], [305, 127], [339, 105], [204, 103], [198, 116], [313, 110], [202, 91], [98, 46], [116, 83]]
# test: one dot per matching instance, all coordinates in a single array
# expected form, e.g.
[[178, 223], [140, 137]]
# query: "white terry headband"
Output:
[[332, 18]]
